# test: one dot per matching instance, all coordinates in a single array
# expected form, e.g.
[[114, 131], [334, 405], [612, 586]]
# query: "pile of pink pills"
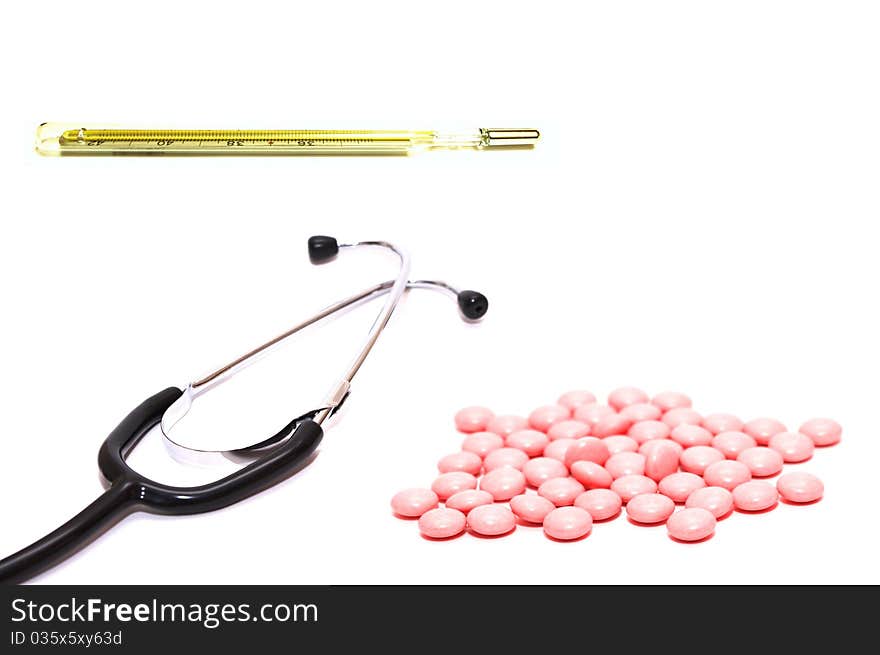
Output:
[[576, 462]]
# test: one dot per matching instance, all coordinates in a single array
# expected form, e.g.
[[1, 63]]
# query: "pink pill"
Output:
[[626, 396], [661, 459], [625, 464], [717, 423], [755, 496], [823, 431], [633, 485], [678, 486], [697, 458], [671, 400], [531, 442], [647, 430], [691, 435], [531, 508], [442, 523], [463, 461], [541, 469], [727, 474], [505, 457], [465, 501], [503, 483], [593, 413], [591, 475], [609, 425], [473, 419], [800, 487], [543, 417], [491, 520], [641, 412], [567, 523], [733, 443], [761, 429], [569, 429], [557, 449], [646, 448], [588, 449], [675, 417], [482, 443], [792, 446], [507, 423], [575, 399], [761, 460], [413, 502], [617, 443], [447, 484], [717, 500], [561, 491], [691, 524], [650, 508], [602, 504]]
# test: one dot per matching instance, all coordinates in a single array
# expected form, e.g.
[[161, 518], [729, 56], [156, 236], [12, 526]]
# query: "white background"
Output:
[[701, 215]]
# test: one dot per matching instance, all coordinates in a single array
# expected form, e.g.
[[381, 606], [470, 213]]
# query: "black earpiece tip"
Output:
[[473, 304], [322, 249]]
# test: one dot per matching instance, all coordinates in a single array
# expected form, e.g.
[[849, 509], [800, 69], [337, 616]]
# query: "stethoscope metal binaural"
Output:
[[271, 460]]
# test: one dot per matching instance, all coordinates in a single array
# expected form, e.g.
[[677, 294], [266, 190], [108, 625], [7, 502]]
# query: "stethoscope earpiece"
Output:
[[473, 304], [322, 249]]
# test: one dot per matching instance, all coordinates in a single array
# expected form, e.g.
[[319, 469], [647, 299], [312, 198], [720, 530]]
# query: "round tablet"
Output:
[[675, 417], [531, 442], [689, 435], [761, 460], [626, 463], [602, 504], [697, 458], [727, 474], [575, 399], [503, 483], [543, 417], [733, 443], [506, 423], [800, 487], [823, 431], [590, 449], [661, 458], [717, 500], [557, 449], [717, 423], [447, 484], [618, 443], [505, 457], [465, 501], [463, 461], [531, 508], [650, 508], [570, 429], [761, 429], [482, 443], [591, 475], [671, 400], [792, 446], [641, 412], [413, 502], [612, 424], [491, 520], [647, 430], [625, 396], [592, 413], [754, 496], [633, 485], [561, 491], [472, 419], [541, 469], [679, 486], [691, 524], [567, 523], [442, 523]]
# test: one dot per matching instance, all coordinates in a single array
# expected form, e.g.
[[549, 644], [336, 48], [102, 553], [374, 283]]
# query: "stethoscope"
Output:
[[271, 460]]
